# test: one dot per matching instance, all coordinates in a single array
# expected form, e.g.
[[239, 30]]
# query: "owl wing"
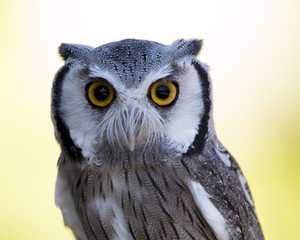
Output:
[[64, 200], [221, 194]]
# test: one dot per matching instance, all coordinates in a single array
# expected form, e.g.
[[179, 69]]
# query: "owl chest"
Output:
[[136, 204]]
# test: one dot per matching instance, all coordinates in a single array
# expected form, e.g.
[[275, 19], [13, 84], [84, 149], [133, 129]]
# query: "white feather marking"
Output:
[[119, 224], [111, 213], [63, 199], [244, 183], [77, 116], [186, 113], [157, 74], [142, 89], [224, 158], [96, 72], [210, 213]]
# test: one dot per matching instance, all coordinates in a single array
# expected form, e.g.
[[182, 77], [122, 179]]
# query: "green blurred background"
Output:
[[254, 53]]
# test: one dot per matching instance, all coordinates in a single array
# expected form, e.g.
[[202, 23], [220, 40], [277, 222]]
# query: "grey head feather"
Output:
[[130, 59], [181, 48]]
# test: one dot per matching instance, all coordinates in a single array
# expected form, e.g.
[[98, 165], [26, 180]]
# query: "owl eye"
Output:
[[100, 94], [163, 93]]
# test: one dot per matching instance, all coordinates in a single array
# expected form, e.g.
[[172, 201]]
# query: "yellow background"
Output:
[[253, 48]]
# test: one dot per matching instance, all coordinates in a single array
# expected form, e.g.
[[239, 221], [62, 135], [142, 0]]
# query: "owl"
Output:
[[140, 158]]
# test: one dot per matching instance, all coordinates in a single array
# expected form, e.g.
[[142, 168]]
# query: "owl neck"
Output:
[[143, 154]]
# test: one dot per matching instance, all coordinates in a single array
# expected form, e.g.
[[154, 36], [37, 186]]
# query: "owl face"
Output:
[[128, 96]]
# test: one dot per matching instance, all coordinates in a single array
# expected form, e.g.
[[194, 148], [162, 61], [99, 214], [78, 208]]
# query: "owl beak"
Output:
[[131, 143], [131, 137], [132, 126]]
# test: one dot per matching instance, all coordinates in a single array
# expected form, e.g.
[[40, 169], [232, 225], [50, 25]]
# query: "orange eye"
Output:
[[100, 94], [163, 93]]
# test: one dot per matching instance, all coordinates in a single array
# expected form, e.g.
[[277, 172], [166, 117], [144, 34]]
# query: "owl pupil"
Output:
[[101, 93], [163, 92]]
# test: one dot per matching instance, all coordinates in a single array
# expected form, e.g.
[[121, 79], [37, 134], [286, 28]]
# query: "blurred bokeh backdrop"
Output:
[[252, 46]]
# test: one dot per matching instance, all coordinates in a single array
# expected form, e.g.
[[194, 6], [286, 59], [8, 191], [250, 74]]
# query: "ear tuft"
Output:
[[189, 47], [196, 46], [74, 51]]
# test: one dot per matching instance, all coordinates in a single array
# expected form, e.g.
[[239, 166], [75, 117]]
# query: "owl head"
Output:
[[131, 96]]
